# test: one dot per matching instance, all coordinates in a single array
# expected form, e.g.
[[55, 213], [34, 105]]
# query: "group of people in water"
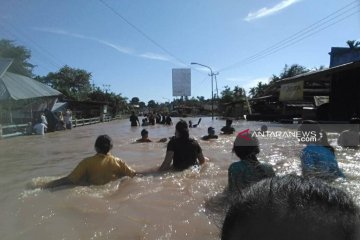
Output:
[[60, 121], [150, 119], [263, 205]]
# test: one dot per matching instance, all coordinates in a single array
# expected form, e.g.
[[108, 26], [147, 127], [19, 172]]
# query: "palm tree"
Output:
[[353, 44]]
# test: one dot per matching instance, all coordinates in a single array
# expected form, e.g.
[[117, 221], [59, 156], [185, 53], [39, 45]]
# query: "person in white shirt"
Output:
[[68, 119], [43, 119], [39, 128]]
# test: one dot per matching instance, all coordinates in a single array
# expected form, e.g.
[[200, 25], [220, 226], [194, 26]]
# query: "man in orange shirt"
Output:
[[98, 169]]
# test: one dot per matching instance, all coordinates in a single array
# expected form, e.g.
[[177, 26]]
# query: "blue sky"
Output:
[[131, 46]]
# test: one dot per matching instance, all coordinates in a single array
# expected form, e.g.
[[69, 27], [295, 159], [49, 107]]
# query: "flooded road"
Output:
[[161, 206]]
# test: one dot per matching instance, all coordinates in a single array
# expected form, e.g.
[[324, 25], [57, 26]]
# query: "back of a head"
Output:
[[309, 132], [103, 144], [211, 131], [292, 207], [182, 129], [264, 128], [228, 122], [246, 144], [144, 132]]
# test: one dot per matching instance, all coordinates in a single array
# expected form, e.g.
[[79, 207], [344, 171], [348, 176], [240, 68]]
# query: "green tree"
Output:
[[259, 89], [142, 105], [228, 95], [135, 101], [20, 56], [353, 44], [115, 101], [292, 71], [152, 104], [73, 83], [201, 99]]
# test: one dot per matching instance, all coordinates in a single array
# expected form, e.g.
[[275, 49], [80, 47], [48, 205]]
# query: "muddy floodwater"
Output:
[[160, 206]]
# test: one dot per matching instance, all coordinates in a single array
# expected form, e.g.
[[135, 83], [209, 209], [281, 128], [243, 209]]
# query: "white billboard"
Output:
[[181, 81]]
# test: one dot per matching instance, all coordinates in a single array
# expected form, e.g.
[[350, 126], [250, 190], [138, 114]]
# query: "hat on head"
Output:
[[246, 138]]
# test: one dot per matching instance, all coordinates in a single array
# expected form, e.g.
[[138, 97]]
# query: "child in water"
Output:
[[248, 169]]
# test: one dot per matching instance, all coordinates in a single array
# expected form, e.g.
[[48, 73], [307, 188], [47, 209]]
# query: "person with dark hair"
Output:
[[168, 120], [211, 134], [318, 157], [248, 169], [292, 207], [151, 119], [350, 138], [228, 129], [98, 169], [134, 120], [61, 123], [182, 150], [145, 137], [145, 122]]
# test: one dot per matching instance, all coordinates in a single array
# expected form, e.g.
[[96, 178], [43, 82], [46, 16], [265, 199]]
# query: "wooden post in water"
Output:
[[1, 132]]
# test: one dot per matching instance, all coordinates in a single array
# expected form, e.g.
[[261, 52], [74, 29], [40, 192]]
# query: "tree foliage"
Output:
[[116, 101], [353, 44], [258, 90], [73, 83], [287, 72], [20, 56], [291, 71], [135, 101], [152, 104], [228, 95]]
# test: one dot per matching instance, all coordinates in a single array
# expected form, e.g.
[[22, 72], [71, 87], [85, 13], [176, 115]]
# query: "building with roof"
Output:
[[21, 97], [331, 94]]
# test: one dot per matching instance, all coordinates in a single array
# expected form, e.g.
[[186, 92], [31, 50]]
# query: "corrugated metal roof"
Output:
[[17, 87], [4, 65]]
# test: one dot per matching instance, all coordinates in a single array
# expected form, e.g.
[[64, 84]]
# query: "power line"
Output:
[[142, 33], [298, 40], [53, 60], [308, 31]]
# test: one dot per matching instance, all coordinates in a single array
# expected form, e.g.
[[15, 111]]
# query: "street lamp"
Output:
[[212, 89]]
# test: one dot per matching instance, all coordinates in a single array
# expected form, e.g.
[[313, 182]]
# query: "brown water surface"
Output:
[[162, 206]]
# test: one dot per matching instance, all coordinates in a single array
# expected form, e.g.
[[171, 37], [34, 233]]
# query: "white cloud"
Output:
[[155, 56], [263, 12], [76, 35], [121, 49]]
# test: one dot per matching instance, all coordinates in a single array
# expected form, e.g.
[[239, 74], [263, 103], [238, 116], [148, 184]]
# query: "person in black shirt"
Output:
[[182, 150], [134, 120], [228, 129]]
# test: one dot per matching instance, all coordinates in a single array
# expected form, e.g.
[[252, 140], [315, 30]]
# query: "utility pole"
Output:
[[212, 87], [217, 91]]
